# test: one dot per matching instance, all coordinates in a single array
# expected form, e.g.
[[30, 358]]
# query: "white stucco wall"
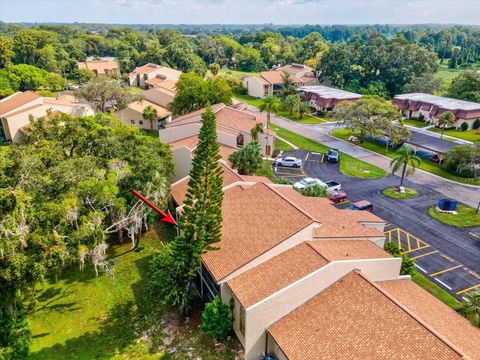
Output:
[[182, 158]]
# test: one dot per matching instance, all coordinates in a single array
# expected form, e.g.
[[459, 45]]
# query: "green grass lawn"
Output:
[[282, 145], [416, 123], [349, 165], [469, 135], [306, 119], [135, 90], [446, 75], [466, 216], [266, 170], [426, 165], [392, 193], [436, 290], [151, 133], [86, 317], [240, 73]]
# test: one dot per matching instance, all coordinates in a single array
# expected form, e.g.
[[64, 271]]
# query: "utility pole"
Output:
[[478, 207]]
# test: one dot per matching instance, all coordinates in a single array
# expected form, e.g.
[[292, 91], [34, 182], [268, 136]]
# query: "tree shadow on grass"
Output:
[[119, 331]]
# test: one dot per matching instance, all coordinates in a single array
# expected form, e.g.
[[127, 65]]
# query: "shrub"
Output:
[[421, 118], [217, 318], [408, 265], [248, 159], [314, 191], [464, 126], [476, 124], [283, 181]]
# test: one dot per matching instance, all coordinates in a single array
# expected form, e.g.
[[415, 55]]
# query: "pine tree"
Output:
[[200, 222]]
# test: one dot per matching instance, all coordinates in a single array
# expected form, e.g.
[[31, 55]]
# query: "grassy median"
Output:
[[465, 216], [394, 194], [349, 165]]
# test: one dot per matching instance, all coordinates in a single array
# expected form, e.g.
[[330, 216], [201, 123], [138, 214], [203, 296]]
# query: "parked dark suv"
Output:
[[362, 205], [332, 155]]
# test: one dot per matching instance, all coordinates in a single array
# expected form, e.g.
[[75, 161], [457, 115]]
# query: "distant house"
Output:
[[271, 82], [324, 98], [106, 66], [133, 115], [17, 110], [431, 107], [152, 75], [233, 132]]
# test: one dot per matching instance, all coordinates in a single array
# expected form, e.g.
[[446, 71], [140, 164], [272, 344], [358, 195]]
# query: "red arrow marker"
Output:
[[167, 218]]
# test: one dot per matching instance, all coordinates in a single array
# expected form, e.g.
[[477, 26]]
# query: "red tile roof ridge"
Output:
[[410, 313], [293, 204]]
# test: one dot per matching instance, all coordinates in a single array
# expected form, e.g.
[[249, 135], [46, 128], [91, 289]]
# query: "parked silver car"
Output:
[[289, 161]]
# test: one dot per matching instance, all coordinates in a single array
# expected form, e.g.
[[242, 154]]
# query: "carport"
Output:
[[429, 144]]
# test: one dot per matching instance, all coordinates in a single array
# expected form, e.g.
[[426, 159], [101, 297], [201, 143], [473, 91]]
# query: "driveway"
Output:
[[435, 247]]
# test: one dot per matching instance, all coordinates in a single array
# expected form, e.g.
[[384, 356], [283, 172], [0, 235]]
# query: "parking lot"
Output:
[[447, 272], [447, 255]]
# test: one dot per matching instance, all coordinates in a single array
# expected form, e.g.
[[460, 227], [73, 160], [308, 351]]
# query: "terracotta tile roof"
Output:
[[169, 85], [192, 142], [275, 77], [447, 322], [142, 104], [189, 142], [335, 250], [249, 214], [294, 68], [144, 69], [99, 65], [334, 223], [15, 100], [27, 109], [179, 189], [215, 109], [355, 319], [275, 274]]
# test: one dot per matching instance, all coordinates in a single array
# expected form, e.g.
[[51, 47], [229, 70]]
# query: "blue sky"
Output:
[[243, 11]]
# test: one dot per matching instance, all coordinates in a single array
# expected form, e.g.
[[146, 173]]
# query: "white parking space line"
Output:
[[420, 268], [441, 282]]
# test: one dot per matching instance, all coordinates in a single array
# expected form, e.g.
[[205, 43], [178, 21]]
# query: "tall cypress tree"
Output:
[[200, 222]]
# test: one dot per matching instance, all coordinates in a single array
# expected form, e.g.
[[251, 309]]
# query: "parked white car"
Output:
[[289, 161], [307, 182]]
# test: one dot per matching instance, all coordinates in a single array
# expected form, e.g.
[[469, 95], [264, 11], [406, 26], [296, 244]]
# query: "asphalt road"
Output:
[[447, 247]]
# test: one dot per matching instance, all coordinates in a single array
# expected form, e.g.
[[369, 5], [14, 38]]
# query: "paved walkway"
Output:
[[467, 194]]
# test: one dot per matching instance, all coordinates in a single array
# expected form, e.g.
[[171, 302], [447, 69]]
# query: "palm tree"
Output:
[[150, 114], [446, 120], [269, 104], [290, 103], [406, 159], [471, 307], [302, 108], [257, 129]]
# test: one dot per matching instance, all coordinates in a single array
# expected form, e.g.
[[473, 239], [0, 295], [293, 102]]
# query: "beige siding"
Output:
[[255, 87], [132, 117], [182, 158], [175, 133]]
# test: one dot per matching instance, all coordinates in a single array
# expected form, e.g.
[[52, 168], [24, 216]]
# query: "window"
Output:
[[268, 149], [240, 140], [140, 122], [132, 121]]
